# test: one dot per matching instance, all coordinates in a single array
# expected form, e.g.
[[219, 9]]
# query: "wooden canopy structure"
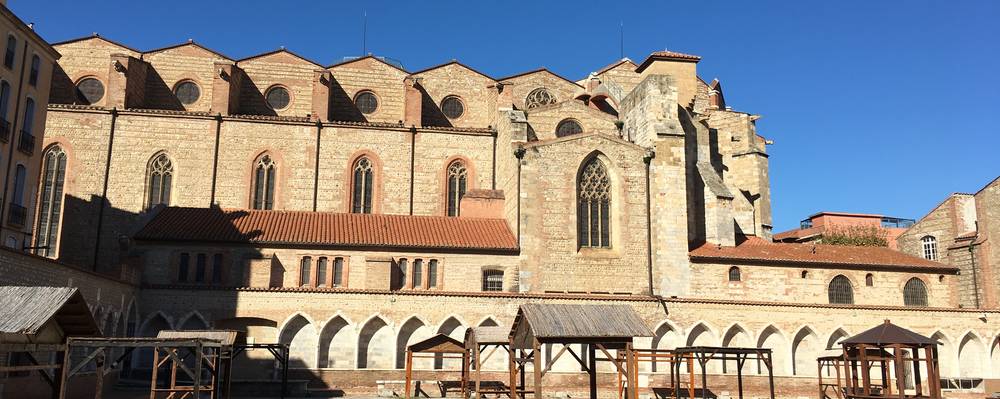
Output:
[[38, 320], [889, 349], [600, 327], [439, 346], [705, 354], [488, 340]]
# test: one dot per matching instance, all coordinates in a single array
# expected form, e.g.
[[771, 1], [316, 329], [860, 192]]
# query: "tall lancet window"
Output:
[[364, 181], [161, 173], [594, 205], [50, 201], [457, 181], [263, 183]]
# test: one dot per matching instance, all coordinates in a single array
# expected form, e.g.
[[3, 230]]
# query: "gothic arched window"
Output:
[[362, 186], [160, 176], [568, 127], [50, 201], [263, 183], [457, 183], [539, 97], [594, 205], [841, 291], [915, 293]]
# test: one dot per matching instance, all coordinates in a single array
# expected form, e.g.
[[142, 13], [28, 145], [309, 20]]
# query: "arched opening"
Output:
[[701, 335], [666, 337], [252, 364], [735, 337], [946, 356], [336, 345], [972, 357], [144, 358], [375, 343], [300, 336], [771, 338], [413, 331], [452, 328], [805, 350]]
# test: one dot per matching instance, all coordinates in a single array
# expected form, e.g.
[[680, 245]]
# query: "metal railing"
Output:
[[27, 143], [4, 130], [17, 215]]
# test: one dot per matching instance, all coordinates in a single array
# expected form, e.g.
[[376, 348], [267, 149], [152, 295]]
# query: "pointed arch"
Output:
[[972, 356], [336, 344], [375, 344], [773, 338], [154, 323], [735, 336], [50, 200], [833, 341], [300, 334], [412, 331], [488, 321], [947, 356], [594, 195], [702, 334], [364, 192], [264, 181], [193, 320], [805, 350], [453, 327], [160, 173], [459, 176], [995, 356]]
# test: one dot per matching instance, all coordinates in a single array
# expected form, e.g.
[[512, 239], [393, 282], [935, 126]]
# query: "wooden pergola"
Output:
[[488, 340], [439, 346], [657, 356], [705, 354], [889, 349], [602, 328]]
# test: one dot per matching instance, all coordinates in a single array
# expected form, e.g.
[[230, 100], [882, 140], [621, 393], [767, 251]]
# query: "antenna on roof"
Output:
[[364, 34], [621, 38]]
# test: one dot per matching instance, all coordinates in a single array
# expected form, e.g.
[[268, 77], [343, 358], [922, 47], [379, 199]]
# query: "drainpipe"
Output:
[[319, 139], [975, 276], [215, 157], [104, 192], [493, 174], [413, 150], [15, 135], [648, 159], [519, 154]]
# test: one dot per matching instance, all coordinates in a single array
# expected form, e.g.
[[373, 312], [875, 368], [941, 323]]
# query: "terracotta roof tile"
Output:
[[328, 229], [754, 251], [666, 56]]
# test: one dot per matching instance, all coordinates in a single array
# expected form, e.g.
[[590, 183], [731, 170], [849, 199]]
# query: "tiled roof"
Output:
[[666, 56], [799, 233], [329, 229], [758, 251]]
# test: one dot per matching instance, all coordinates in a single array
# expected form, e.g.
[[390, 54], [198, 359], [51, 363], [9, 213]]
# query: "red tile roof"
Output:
[[329, 229], [666, 56], [759, 251]]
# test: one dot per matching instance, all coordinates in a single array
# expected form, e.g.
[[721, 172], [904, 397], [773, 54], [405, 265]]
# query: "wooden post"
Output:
[[916, 371], [740, 360], [409, 371], [67, 366], [900, 375], [690, 367], [101, 359], [592, 370], [865, 370], [155, 371], [479, 368], [512, 368], [199, 357], [770, 374], [465, 374], [537, 363]]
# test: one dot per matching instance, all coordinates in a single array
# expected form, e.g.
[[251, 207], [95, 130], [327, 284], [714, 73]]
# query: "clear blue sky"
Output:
[[874, 106]]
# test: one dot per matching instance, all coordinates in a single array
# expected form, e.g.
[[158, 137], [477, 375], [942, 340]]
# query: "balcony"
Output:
[[4, 130], [27, 143], [17, 215]]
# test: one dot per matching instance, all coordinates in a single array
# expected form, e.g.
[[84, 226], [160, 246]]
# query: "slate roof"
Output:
[[25, 310], [329, 229], [760, 251]]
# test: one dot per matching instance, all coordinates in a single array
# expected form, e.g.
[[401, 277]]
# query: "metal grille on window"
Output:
[[161, 172], [418, 274], [594, 206], [452, 107], [89, 91], [539, 97], [277, 98], [492, 280], [264, 176], [930, 247], [915, 293], [51, 197], [734, 273], [187, 92], [321, 270], [568, 127], [361, 199], [457, 180], [305, 271], [366, 102], [338, 272], [432, 273], [841, 291]]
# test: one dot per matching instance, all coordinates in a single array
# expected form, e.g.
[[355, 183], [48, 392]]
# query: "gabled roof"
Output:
[[667, 56], [578, 321], [188, 43], [615, 65], [888, 334], [489, 335], [280, 50], [225, 337], [311, 229], [456, 63], [25, 310], [439, 343], [369, 56], [98, 37], [539, 70], [757, 251]]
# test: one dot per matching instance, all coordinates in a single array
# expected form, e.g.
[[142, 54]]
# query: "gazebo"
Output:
[[439, 346], [601, 327], [482, 343], [883, 353]]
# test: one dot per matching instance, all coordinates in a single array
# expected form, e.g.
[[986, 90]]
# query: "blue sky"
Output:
[[874, 106]]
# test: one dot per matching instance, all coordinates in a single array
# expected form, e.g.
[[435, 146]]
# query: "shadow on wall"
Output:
[[252, 101], [431, 114], [81, 245], [158, 94], [342, 105]]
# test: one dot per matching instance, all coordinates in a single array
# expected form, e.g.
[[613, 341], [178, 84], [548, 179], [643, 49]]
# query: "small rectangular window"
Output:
[[217, 268], [199, 268], [33, 75], [305, 271], [321, 272], [492, 280], [182, 269], [8, 57], [432, 273], [401, 267], [338, 272], [418, 266]]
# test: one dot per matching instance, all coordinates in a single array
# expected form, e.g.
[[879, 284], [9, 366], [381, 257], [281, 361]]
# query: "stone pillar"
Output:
[[412, 111], [226, 88], [321, 95], [126, 82]]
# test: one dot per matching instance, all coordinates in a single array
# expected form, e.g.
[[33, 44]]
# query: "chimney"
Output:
[[482, 203]]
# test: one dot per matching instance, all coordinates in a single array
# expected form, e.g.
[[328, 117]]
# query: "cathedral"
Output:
[[351, 209]]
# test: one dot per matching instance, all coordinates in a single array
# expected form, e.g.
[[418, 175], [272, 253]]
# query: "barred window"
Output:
[[452, 107], [50, 201], [199, 268], [321, 271], [492, 280], [187, 92], [305, 271], [869, 280], [539, 97], [594, 206], [432, 273], [364, 176], [217, 268], [418, 274], [338, 272], [8, 57], [36, 64], [734, 274], [457, 181], [930, 247], [841, 291], [161, 171], [263, 183], [366, 102], [183, 266], [568, 127], [277, 98], [89, 91], [915, 293]]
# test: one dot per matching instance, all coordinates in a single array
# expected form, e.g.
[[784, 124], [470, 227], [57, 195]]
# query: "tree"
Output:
[[865, 236]]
